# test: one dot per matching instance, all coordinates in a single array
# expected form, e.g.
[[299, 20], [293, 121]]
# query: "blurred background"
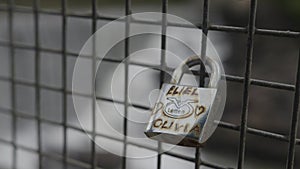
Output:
[[274, 59]]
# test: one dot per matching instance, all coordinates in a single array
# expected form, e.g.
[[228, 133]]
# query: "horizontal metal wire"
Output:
[[86, 165], [233, 78], [250, 30], [222, 124], [212, 27], [79, 163], [226, 125]]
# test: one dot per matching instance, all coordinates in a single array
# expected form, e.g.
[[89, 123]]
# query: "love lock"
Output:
[[182, 115]]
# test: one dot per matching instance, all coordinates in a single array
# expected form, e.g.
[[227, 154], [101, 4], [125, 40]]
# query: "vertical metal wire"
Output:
[[13, 85], [37, 79], [64, 81], [93, 141], [294, 121], [205, 27], [202, 68], [162, 64], [204, 39], [126, 67], [249, 55]]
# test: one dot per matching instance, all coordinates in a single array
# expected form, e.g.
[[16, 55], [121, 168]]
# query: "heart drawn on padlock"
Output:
[[185, 116]]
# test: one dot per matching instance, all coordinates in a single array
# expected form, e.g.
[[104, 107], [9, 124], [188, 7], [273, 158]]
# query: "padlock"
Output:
[[182, 115]]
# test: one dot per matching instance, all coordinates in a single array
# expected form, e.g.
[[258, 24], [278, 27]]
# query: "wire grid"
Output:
[[243, 129]]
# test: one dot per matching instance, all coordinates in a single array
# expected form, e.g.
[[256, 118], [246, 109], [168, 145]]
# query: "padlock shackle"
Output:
[[215, 75]]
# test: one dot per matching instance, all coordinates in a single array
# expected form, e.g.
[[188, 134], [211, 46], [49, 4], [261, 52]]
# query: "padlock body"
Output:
[[180, 115]]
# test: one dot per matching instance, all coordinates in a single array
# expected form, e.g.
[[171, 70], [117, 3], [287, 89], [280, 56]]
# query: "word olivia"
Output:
[[182, 90], [163, 124]]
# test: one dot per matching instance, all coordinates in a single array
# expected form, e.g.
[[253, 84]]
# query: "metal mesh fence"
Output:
[[251, 31]]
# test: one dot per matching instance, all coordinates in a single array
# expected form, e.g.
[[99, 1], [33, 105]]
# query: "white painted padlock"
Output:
[[182, 115]]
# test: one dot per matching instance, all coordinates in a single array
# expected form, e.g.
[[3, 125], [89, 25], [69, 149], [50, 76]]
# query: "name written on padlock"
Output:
[[182, 90], [176, 126], [181, 110], [179, 107]]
